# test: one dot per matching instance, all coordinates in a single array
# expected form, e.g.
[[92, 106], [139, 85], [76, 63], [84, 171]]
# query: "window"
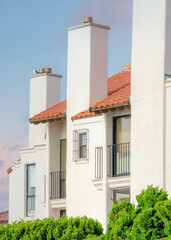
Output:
[[62, 213], [121, 194], [31, 186], [119, 152], [80, 144]]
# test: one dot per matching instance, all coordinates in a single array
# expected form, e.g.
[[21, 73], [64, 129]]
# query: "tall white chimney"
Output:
[[151, 96], [86, 84], [87, 65], [44, 93]]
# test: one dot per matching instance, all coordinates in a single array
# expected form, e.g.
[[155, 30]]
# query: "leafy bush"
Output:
[[62, 228], [94, 237], [151, 219]]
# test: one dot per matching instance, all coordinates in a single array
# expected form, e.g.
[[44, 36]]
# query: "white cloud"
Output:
[[116, 13]]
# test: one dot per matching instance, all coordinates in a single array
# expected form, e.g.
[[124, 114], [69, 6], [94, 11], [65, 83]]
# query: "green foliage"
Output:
[[62, 228], [120, 220], [149, 197], [94, 237], [164, 213], [151, 219]]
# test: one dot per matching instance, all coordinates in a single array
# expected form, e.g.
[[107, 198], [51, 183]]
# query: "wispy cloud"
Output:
[[115, 13], [1, 163]]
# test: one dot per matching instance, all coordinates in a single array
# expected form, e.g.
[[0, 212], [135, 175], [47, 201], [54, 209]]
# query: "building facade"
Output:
[[110, 138]]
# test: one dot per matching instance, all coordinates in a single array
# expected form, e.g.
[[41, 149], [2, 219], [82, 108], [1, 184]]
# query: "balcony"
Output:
[[119, 160], [58, 189], [118, 166], [58, 185]]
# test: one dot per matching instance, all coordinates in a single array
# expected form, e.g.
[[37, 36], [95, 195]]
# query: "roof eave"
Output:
[[113, 107], [51, 119]]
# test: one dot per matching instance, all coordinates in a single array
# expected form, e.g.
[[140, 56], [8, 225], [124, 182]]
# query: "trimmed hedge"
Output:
[[62, 228], [151, 219]]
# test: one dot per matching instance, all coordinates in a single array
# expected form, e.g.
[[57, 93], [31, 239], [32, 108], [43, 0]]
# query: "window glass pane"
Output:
[[83, 139], [83, 145], [123, 127], [63, 155], [31, 176], [62, 213], [31, 184]]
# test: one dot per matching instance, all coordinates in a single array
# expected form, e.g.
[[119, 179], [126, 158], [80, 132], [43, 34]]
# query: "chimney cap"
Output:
[[45, 70], [88, 19]]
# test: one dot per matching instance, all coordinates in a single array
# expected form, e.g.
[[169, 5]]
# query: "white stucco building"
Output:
[[111, 138]]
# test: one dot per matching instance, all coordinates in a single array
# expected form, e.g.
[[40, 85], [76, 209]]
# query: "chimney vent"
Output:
[[45, 70], [126, 68], [41, 70], [88, 19]]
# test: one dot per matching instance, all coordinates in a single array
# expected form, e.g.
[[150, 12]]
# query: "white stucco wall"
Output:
[[16, 196], [168, 38], [147, 95], [82, 196], [44, 93], [86, 84], [87, 67], [167, 160], [18, 184]]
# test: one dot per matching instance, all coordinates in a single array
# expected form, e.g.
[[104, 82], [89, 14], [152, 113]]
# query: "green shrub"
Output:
[[94, 237], [120, 219], [62, 228], [149, 197], [151, 219]]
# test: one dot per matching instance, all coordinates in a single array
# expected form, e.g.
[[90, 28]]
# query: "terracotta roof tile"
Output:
[[118, 98], [58, 110], [118, 81], [4, 216], [118, 89], [9, 170], [84, 114], [118, 93]]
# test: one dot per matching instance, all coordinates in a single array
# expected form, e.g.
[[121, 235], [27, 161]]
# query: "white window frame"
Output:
[[31, 213], [76, 145]]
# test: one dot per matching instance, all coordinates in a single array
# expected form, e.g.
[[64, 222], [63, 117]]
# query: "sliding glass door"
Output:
[[121, 145]]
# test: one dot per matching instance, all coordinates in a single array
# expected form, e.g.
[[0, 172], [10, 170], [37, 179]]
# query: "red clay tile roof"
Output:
[[56, 111], [118, 98], [86, 113], [4, 216], [118, 81], [118, 93], [9, 170]]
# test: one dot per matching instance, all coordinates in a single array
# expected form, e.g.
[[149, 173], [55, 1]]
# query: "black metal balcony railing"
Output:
[[98, 162], [58, 185], [31, 201], [119, 159]]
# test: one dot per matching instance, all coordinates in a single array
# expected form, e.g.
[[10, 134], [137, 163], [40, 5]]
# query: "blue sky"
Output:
[[33, 35]]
